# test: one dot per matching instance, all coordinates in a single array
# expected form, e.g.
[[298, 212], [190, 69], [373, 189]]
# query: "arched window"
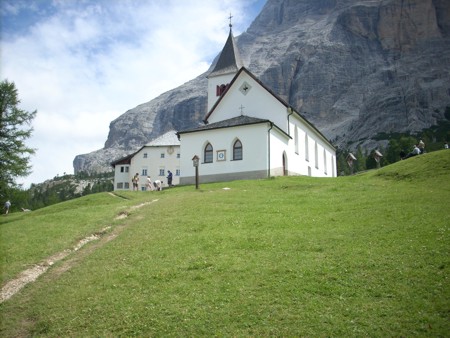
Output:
[[208, 156], [237, 150], [296, 139], [306, 148], [316, 155]]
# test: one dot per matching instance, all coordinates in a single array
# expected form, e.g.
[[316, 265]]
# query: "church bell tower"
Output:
[[226, 68]]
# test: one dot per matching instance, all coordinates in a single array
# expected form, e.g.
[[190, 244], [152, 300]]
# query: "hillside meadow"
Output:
[[363, 255]]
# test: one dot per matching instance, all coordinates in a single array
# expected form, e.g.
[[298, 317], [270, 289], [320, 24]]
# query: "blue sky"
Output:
[[83, 63]]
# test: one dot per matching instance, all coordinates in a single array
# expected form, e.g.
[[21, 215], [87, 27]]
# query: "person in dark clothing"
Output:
[[169, 178]]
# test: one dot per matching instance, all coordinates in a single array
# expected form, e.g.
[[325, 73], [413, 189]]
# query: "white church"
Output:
[[249, 132]]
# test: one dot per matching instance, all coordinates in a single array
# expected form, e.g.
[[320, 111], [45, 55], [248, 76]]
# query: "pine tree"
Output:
[[15, 129], [360, 160]]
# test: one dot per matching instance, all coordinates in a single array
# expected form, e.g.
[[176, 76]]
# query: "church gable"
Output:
[[246, 95]]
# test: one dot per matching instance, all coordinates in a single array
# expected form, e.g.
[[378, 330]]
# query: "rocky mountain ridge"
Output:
[[354, 68]]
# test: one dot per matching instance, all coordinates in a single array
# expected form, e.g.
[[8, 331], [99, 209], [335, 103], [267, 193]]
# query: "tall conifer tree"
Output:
[[15, 129]]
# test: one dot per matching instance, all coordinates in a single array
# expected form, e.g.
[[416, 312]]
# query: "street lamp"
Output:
[[195, 162]]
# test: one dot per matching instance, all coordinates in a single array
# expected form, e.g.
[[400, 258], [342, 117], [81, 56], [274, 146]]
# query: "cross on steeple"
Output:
[[230, 20]]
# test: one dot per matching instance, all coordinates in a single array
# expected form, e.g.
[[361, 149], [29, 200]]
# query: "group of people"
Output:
[[156, 185], [7, 206], [152, 185], [418, 149]]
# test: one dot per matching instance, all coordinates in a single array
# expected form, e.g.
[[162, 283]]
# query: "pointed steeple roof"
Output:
[[229, 59]]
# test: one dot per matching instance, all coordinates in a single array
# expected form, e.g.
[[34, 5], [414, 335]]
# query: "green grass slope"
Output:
[[366, 255]]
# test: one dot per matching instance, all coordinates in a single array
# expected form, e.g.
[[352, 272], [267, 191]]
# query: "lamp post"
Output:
[[195, 161]]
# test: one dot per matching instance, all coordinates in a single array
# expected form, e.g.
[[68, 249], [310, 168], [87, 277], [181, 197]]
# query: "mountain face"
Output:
[[354, 68]]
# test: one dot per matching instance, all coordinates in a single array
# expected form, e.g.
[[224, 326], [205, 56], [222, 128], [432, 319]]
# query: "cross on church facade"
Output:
[[242, 109]]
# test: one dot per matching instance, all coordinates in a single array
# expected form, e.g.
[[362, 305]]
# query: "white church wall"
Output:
[[254, 163], [215, 81], [278, 147], [312, 154], [255, 102], [296, 164]]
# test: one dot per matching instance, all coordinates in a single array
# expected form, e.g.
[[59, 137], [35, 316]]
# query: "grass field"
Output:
[[366, 255]]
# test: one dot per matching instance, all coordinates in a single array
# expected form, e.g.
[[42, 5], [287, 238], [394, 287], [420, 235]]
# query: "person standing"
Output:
[[7, 206], [169, 178], [149, 183], [421, 146], [135, 181]]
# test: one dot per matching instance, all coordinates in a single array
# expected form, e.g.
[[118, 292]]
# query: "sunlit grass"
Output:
[[366, 255], [28, 238]]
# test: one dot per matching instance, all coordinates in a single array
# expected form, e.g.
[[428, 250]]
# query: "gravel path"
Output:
[[31, 274]]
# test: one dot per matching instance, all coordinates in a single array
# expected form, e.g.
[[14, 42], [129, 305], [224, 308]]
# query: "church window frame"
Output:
[[238, 153], [208, 153], [221, 89], [316, 155], [306, 147]]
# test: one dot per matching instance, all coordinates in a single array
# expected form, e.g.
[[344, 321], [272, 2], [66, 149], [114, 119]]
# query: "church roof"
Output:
[[168, 139], [123, 160], [242, 120], [229, 59]]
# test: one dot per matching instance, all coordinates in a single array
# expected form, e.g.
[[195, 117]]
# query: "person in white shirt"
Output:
[[150, 183], [421, 147], [7, 206], [158, 185], [414, 152]]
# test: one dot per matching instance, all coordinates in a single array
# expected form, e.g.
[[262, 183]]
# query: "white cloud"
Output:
[[81, 64]]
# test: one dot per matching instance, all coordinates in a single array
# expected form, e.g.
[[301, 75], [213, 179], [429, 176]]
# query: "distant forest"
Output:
[[59, 189]]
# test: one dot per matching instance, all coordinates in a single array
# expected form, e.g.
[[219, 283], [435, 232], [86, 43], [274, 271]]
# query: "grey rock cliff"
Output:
[[354, 68]]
